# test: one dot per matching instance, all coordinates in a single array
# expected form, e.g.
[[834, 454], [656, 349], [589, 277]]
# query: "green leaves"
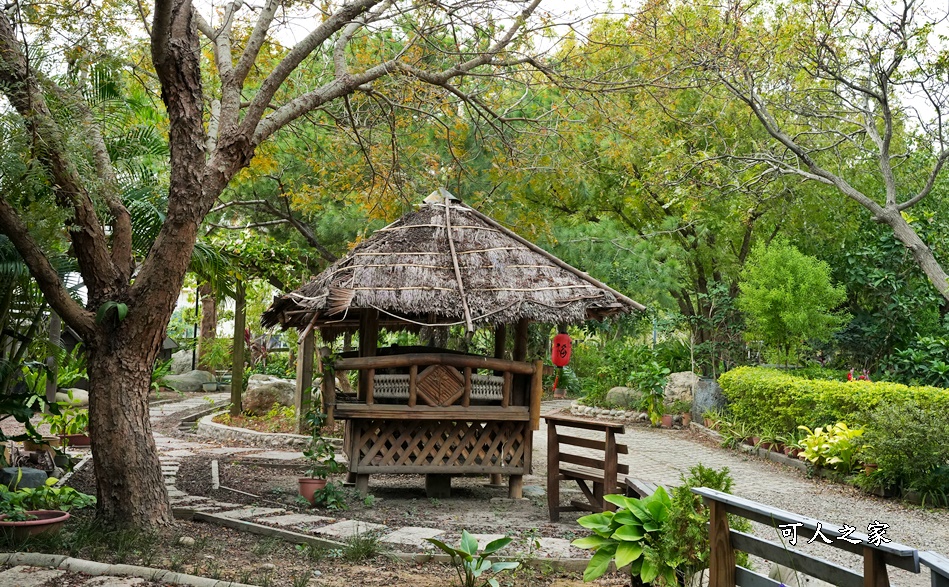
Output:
[[470, 565], [117, 309], [627, 536]]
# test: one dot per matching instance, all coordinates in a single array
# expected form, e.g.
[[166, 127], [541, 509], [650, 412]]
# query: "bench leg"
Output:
[[553, 473], [515, 488]]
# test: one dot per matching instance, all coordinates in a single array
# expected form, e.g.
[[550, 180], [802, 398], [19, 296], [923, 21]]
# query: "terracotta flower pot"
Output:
[[309, 486], [45, 521], [666, 421], [76, 440], [686, 419]]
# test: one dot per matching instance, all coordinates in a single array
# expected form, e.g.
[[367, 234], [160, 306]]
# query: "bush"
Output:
[[762, 398], [908, 445], [922, 363]]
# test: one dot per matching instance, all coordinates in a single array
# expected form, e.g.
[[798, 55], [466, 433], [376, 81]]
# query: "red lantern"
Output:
[[560, 354]]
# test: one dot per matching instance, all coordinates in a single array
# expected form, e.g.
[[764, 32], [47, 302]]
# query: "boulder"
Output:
[[260, 398], [75, 397], [258, 379], [181, 362], [30, 477], [624, 397], [708, 396], [680, 387], [190, 381]]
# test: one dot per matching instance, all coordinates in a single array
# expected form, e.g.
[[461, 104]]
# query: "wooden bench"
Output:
[[639, 488], [723, 571], [596, 475]]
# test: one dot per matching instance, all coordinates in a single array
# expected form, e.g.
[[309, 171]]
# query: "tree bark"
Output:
[[130, 489]]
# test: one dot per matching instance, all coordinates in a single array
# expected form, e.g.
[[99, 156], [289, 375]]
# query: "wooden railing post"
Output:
[[536, 394], [874, 568], [413, 385], [553, 475], [721, 570]]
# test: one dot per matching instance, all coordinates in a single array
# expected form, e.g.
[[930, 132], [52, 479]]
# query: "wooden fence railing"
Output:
[[938, 567], [877, 553]]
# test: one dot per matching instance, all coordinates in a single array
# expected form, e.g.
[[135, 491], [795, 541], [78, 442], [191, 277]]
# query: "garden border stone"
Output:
[[207, 428], [97, 569]]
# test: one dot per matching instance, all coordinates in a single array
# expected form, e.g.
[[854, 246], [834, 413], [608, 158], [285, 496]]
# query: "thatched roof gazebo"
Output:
[[433, 411], [447, 264]]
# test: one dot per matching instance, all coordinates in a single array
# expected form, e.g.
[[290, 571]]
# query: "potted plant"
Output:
[[30, 511], [711, 417], [71, 425], [321, 455], [684, 409]]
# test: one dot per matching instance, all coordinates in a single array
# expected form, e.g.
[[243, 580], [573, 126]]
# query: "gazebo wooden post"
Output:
[[500, 342], [302, 396], [368, 342], [515, 488], [327, 388]]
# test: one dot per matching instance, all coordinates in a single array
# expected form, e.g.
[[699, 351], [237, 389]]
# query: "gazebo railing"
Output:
[[441, 381]]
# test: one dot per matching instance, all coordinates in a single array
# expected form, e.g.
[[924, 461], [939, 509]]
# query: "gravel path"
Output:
[[660, 456]]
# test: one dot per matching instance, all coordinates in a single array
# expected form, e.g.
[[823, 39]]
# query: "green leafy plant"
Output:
[[162, 368], [68, 421], [651, 380], [320, 452], [331, 496], [835, 447], [632, 535], [15, 503], [470, 564]]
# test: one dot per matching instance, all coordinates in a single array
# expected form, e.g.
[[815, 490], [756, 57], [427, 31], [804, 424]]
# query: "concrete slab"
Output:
[[277, 455], [179, 453], [348, 528], [248, 513], [296, 520], [555, 548], [413, 536], [110, 581], [228, 450], [189, 499], [172, 492], [24, 576]]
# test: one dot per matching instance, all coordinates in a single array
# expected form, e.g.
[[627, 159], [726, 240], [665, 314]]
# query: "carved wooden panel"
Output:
[[440, 385]]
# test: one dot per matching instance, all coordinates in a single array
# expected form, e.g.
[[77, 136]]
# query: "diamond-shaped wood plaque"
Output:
[[440, 385]]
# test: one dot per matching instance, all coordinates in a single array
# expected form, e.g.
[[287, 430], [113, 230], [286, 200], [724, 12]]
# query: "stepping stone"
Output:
[[412, 536], [296, 520], [179, 453], [24, 576], [348, 528], [109, 581], [170, 480], [534, 491], [278, 455], [555, 548], [251, 512], [188, 499], [228, 450], [172, 492]]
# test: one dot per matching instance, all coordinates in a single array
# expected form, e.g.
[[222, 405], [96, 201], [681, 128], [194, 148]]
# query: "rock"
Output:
[[181, 362], [186, 541], [624, 397], [190, 381], [30, 477], [708, 396], [259, 399], [73, 396], [268, 567], [680, 387]]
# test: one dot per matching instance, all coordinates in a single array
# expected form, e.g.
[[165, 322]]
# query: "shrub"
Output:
[[835, 447], [908, 445], [760, 398], [922, 363]]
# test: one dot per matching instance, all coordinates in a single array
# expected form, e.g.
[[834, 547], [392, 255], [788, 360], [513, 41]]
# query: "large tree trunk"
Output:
[[921, 252], [129, 483]]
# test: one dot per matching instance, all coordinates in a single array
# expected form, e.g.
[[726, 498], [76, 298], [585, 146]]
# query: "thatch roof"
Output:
[[447, 264]]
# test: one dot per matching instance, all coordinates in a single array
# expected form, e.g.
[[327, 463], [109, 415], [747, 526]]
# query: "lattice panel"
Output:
[[440, 385], [386, 443]]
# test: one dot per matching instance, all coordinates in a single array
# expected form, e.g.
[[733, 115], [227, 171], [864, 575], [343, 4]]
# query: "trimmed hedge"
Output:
[[772, 399]]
